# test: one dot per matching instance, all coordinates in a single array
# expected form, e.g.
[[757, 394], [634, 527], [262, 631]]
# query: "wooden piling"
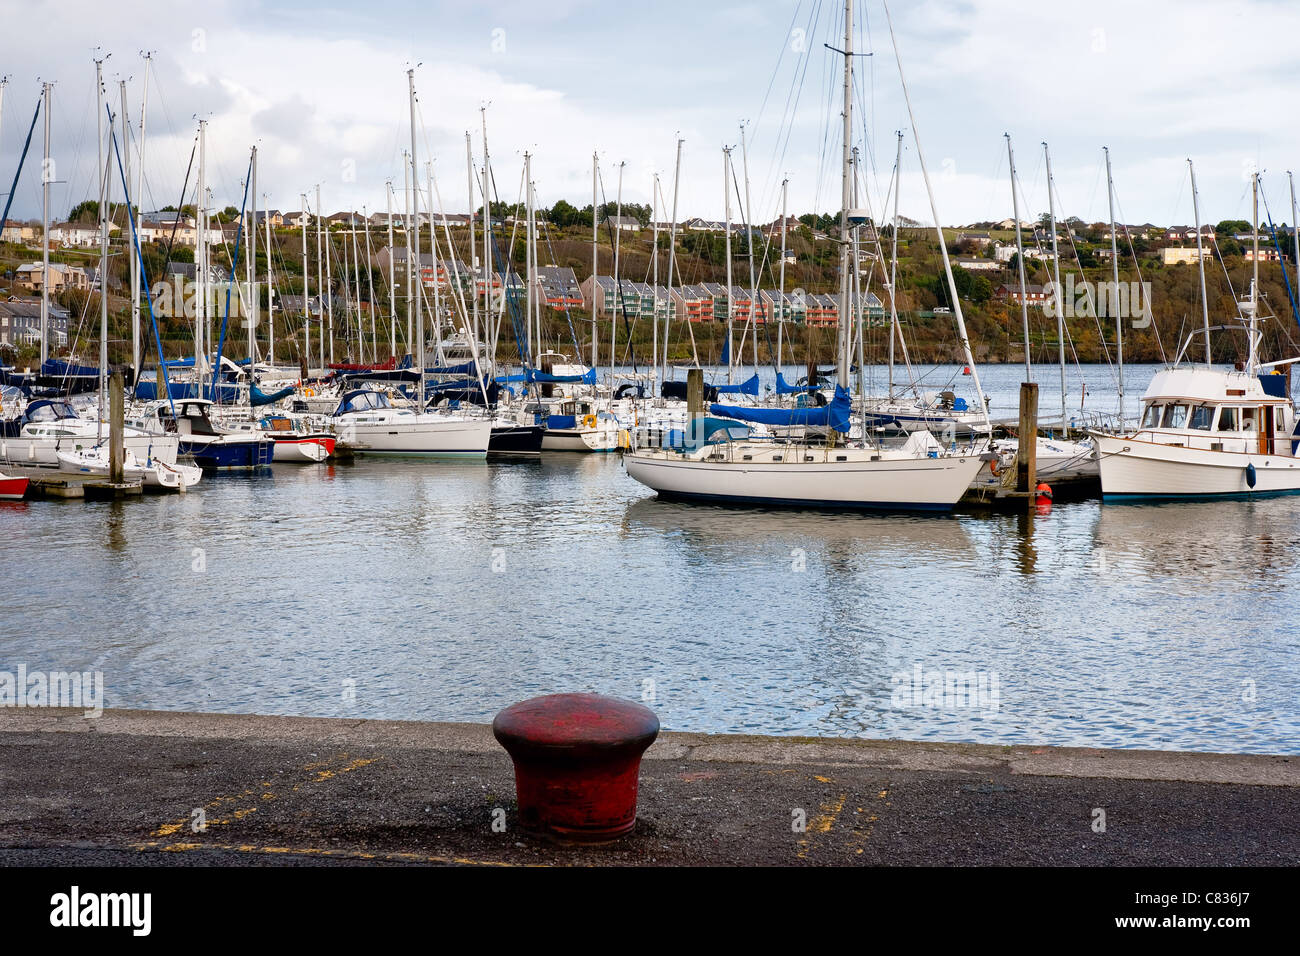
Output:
[[1027, 446], [116, 415], [694, 400]]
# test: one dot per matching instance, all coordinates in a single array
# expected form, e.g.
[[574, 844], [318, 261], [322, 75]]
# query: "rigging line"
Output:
[[618, 284], [1272, 230], [796, 94], [789, 33], [1137, 266]]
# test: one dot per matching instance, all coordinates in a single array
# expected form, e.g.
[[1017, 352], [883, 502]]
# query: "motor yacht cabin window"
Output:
[[1151, 418], [1175, 416], [1248, 419], [1227, 419], [1202, 416]]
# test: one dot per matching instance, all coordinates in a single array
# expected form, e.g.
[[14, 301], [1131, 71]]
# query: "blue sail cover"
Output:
[[54, 368], [748, 387], [466, 368], [587, 378], [835, 415], [258, 397], [532, 375], [785, 388]]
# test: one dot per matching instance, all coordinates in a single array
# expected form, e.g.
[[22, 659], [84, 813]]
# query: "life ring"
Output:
[[309, 392], [995, 467], [589, 421]]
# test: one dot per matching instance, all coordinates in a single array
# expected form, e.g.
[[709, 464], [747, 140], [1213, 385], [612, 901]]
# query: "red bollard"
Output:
[[577, 758]]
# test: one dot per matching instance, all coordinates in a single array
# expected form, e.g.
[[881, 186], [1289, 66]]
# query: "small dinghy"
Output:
[[152, 472]]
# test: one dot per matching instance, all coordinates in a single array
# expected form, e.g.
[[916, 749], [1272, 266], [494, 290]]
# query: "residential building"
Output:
[[979, 265], [1177, 256], [693, 301], [20, 323], [621, 223], [62, 276], [560, 287]]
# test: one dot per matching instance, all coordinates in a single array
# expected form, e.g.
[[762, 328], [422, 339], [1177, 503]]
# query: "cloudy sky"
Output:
[[320, 87]]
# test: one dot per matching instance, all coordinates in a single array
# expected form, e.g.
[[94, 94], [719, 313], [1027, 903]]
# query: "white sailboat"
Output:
[[719, 463], [1207, 432]]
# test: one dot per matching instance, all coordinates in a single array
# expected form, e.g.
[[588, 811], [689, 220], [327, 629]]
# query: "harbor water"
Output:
[[445, 591]]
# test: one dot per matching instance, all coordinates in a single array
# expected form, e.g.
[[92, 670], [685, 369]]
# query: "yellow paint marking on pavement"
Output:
[[397, 857], [322, 772], [823, 822]]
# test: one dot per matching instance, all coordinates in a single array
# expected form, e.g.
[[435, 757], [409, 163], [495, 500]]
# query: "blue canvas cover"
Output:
[[835, 415]]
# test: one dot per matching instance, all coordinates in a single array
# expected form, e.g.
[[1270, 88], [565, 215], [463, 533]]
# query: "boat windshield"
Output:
[[1227, 419], [1152, 417], [363, 402], [50, 412], [1202, 415], [1175, 416]]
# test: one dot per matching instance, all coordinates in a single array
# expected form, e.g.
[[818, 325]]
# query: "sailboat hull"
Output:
[[408, 437], [901, 484]]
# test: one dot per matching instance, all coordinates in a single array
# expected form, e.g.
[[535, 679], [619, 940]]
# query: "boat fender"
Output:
[[1250, 476], [1044, 490]]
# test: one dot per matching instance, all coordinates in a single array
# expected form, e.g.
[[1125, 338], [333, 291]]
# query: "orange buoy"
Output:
[[965, 369]]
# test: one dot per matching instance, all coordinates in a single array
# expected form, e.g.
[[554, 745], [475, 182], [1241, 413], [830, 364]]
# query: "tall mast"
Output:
[[306, 290], [201, 265], [618, 288], [595, 261], [672, 262], [855, 299], [1295, 233], [487, 238], [780, 319], [654, 279], [320, 278], [270, 285], [1114, 295], [1020, 256], [534, 346], [749, 232], [842, 330], [731, 305], [392, 289], [250, 266], [436, 314], [46, 173], [415, 185], [406, 241], [958, 316], [370, 287], [327, 289], [1200, 261], [103, 255], [894, 330], [133, 268], [356, 282], [1056, 279], [137, 351], [469, 185], [1253, 360]]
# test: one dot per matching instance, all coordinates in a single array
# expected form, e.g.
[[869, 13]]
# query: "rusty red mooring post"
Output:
[[577, 758]]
